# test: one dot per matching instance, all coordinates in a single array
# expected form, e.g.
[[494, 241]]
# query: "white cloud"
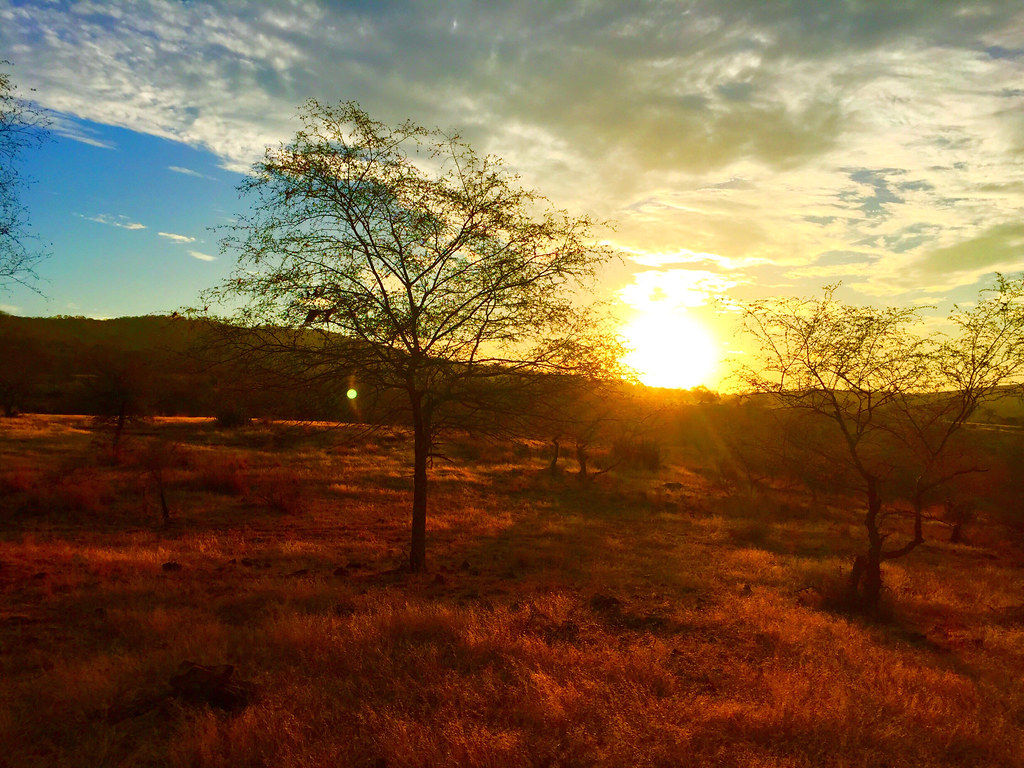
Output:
[[69, 128], [202, 256], [177, 238], [189, 172], [122, 222], [738, 136]]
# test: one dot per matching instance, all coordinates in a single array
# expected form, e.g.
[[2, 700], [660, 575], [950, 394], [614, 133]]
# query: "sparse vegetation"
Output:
[[638, 619]]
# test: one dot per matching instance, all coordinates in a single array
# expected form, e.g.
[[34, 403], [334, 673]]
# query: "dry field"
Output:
[[618, 623]]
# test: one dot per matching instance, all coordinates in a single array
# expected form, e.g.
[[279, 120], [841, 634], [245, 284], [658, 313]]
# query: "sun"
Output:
[[670, 349]]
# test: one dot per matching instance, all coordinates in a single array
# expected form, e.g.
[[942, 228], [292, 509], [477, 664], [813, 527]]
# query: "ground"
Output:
[[612, 623]]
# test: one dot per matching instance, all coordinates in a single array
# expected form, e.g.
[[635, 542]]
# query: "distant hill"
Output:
[[78, 365]]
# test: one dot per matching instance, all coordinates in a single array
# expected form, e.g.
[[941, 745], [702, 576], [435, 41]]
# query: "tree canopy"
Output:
[[400, 263]]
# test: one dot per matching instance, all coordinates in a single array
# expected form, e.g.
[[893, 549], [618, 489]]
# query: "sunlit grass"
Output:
[[612, 624]]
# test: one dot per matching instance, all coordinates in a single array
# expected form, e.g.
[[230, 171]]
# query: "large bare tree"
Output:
[[398, 262]]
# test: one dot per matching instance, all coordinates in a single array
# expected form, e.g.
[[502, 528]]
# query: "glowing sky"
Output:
[[743, 147]]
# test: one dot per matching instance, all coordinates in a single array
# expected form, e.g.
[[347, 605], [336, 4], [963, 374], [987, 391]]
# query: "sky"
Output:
[[742, 149]]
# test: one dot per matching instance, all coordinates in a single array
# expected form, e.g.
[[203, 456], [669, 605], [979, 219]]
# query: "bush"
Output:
[[232, 416], [636, 453], [219, 474], [281, 490]]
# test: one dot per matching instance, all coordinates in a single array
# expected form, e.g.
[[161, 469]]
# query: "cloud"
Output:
[[177, 238], [997, 247], [122, 222], [758, 135], [675, 288], [202, 256], [69, 128], [189, 172]]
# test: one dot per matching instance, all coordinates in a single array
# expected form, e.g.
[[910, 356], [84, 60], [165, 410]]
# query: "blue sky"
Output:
[[130, 220], [742, 148]]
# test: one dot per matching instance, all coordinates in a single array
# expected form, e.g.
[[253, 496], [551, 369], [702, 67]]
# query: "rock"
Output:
[[199, 684], [746, 590], [341, 571], [300, 572], [672, 486], [439, 579], [605, 603], [464, 566], [170, 567], [344, 608], [195, 684]]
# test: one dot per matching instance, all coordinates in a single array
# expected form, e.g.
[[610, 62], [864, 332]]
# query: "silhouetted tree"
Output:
[[119, 389], [21, 128], [400, 263], [895, 400]]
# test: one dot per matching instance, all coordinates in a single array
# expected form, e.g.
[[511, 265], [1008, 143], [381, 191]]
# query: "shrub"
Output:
[[281, 491], [232, 416], [16, 480], [220, 474], [636, 453]]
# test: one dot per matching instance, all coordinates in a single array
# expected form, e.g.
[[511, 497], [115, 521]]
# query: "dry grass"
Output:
[[615, 624]]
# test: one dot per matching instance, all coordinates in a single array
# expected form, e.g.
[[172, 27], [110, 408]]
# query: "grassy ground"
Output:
[[614, 624]]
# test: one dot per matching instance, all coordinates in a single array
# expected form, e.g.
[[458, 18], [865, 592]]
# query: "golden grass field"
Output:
[[615, 623]]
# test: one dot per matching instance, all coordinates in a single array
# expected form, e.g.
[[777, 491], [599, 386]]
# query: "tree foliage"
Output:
[[21, 125], [399, 262]]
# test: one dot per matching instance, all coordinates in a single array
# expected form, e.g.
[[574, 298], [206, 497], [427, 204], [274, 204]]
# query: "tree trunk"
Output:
[[581, 457], [421, 452], [165, 511], [957, 535], [553, 466], [866, 576], [122, 419]]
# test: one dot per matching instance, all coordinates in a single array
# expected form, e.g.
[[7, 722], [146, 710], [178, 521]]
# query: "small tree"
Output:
[[21, 128], [399, 263], [118, 390], [895, 400]]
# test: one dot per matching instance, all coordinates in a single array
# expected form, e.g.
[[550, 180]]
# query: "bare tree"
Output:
[[977, 364], [22, 126], [895, 399], [399, 263]]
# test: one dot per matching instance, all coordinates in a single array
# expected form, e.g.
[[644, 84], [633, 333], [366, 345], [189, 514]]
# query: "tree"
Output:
[[896, 400], [397, 262], [119, 388], [970, 368], [21, 128]]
